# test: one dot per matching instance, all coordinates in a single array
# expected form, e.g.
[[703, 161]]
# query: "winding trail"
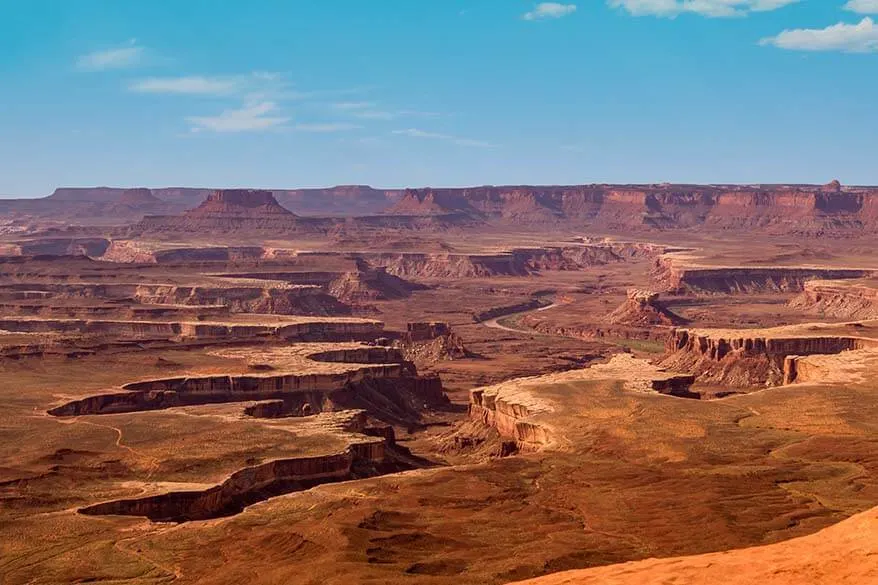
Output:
[[154, 462], [495, 322]]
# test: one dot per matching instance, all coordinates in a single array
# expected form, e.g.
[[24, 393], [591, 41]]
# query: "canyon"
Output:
[[465, 385]]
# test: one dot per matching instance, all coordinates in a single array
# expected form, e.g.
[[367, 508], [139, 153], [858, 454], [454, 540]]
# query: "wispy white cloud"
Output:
[[371, 141], [249, 118], [260, 92], [375, 115], [123, 57], [545, 10], [849, 38], [416, 133], [353, 106], [326, 127], [372, 111], [255, 86], [708, 8], [862, 6], [363, 110], [419, 113], [190, 85]]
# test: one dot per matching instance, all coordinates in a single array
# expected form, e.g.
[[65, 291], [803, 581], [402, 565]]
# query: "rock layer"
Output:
[[845, 300], [807, 210], [679, 275], [522, 411], [746, 358]]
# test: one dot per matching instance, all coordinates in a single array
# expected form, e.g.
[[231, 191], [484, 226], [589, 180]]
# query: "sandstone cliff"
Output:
[[91, 206], [525, 411], [807, 210], [748, 358], [678, 274], [845, 300]]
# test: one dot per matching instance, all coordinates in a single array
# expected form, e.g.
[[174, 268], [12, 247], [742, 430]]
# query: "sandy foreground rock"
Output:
[[846, 553]]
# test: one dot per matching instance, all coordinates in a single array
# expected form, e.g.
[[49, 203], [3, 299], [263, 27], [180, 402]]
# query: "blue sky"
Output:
[[435, 92]]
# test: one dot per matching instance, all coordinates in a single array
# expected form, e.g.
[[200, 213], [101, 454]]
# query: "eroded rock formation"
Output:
[[363, 376], [747, 358], [514, 262], [684, 274], [643, 309], [428, 342], [811, 210], [236, 295], [247, 486], [840, 299], [232, 210], [368, 284], [526, 411], [290, 328]]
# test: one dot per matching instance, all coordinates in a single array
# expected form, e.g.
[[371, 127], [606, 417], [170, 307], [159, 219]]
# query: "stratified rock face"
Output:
[[92, 247], [342, 200], [845, 300], [674, 275], [96, 206], [291, 329], [515, 262], [232, 495], [432, 341], [426, 330], [806, 210], [522, 410], [368, 284], [430, 202], [243, 296], [745, 358], [138, 196], [244, 203], [642, 309], [233, 210]]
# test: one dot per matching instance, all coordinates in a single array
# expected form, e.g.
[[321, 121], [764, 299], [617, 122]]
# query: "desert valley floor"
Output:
[[598, 384]]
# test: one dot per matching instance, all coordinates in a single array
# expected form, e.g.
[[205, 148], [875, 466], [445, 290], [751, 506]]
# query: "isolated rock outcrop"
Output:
[[245, 203], [427, 342], [232, 210], [369, 283], [643, 309]]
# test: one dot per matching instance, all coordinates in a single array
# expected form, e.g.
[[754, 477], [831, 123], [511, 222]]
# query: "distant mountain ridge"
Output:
[[808, 209], [798, 209], [112, 205]]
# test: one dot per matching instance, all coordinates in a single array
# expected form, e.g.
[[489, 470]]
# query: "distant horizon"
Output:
[[436, 92], [467, 186]]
